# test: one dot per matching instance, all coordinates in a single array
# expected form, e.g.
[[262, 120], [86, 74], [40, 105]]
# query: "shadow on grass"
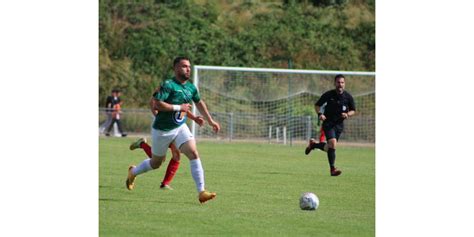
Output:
[[141, 201], [276, 173]]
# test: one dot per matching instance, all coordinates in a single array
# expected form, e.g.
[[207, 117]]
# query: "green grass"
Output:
[[258, 188]]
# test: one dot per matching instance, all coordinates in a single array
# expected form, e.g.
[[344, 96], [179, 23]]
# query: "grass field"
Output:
[[258, 188]]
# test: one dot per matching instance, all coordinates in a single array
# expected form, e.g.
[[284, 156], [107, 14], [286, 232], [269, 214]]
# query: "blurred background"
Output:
[[139, 40]]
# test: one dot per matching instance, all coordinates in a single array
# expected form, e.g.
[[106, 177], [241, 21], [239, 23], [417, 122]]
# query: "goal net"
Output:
[[277, 105]]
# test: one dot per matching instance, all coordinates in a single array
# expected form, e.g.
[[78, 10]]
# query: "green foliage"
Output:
[[138, 41]]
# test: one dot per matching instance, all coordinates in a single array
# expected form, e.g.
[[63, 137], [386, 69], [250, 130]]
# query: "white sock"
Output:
[[142, 167], [198, 174]]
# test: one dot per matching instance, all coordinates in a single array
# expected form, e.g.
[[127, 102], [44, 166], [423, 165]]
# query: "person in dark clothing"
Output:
[[340, 106], [113, 110], [108, 111]]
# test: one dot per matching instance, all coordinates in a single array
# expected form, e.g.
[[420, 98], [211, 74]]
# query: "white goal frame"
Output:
[[197, 68]]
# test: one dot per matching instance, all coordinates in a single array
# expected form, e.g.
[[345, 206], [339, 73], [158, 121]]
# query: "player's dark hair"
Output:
[[339, 76], [115, 91], [178, 59]]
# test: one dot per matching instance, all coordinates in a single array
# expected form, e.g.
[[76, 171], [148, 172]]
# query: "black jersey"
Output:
[[336, 105], [111, 102]]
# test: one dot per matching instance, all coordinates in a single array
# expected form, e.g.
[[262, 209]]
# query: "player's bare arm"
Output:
[[318, 112], [348, 114], [153, 108], [198, 119], [163, 106], [201, 106]]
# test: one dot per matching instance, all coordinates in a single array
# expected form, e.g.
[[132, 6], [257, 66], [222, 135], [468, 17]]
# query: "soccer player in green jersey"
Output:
[[174, 163], [173, 101]]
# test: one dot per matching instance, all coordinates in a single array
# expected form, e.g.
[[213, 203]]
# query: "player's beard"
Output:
[[185, 76]]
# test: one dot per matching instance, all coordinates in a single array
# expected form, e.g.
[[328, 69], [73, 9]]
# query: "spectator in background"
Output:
[[108, 112], [113, 110]]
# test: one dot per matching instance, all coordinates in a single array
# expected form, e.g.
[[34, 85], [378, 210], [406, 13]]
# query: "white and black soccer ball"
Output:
[[309, 201]]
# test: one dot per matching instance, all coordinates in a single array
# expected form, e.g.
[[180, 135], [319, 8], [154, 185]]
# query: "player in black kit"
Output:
[[340, 106]]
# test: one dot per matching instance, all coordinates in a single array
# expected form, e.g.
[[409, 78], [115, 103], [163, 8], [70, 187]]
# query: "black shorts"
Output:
[[333, 130]]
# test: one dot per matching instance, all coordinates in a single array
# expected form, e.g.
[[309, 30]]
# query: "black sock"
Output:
[[320, 145], [331, 157]]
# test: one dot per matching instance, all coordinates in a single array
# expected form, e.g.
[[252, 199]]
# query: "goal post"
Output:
[[254, 103]]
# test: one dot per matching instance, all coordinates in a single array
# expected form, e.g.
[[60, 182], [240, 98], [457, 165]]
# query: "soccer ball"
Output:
[[309, 201]]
